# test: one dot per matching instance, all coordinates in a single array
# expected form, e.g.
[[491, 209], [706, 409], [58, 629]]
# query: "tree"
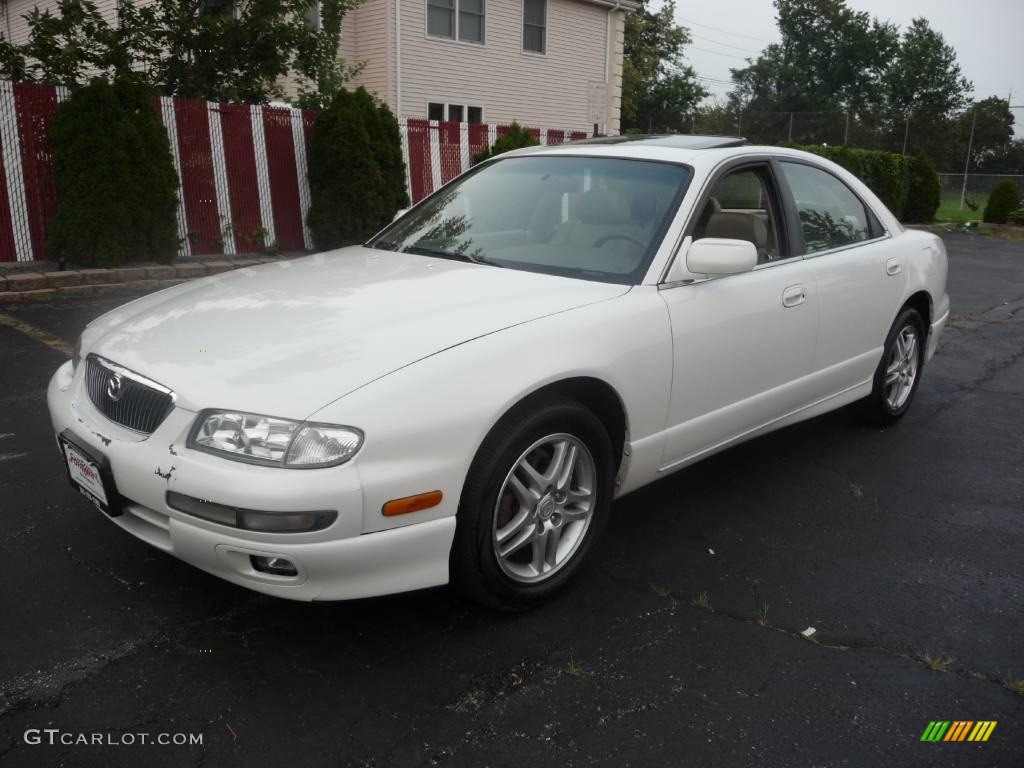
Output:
[[831, 58], [993, 127], [924, 73], [659, 90], [1004, 198], [925, 86], [1008, 159], [516, 138], [205, 49], [386, 148], [116, 184], [356, 173], [925, 190]]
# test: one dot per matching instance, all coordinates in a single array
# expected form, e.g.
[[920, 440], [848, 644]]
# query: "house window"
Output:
[[456, 19], [471, 20], [313, 18], [441, 18], [216, 8], [454, 113], [535, 22]]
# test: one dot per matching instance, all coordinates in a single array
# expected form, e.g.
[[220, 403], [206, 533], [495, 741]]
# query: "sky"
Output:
[[988, 36]]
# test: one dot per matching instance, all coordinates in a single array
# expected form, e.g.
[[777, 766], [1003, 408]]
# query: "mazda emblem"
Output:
[[114, 390]]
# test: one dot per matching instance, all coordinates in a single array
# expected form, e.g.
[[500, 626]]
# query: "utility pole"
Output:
[[846, 133], [906, 133], [790, 126], [739, 124], [967, 162]]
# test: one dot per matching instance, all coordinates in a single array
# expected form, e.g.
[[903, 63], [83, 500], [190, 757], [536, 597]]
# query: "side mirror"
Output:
[[720, 256], [400, 213]]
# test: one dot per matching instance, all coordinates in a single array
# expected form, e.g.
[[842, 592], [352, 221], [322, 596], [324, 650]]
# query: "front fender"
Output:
[[424, 423]]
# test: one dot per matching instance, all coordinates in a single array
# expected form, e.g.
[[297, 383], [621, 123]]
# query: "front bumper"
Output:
[[337, 563]]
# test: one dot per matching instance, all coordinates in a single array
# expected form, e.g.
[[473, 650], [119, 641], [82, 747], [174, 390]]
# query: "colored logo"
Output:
[[958, 730]]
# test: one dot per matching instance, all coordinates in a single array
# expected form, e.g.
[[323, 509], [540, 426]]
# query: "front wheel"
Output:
[[534, 504], [899, 371]]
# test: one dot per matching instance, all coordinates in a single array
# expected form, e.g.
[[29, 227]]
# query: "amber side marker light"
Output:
[[412, 503]]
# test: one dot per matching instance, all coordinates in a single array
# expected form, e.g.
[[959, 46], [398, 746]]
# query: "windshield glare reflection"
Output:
[[588, 217]]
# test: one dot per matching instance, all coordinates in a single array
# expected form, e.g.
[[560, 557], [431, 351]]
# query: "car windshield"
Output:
[[596, 218]]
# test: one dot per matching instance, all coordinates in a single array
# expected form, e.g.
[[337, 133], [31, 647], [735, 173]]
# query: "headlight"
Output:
[[273, 442]]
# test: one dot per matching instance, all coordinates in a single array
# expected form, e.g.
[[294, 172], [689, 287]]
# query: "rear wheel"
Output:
[[535, 502], [899, 371]]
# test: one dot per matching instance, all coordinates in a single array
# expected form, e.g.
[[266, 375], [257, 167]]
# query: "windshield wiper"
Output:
[[422, 250]]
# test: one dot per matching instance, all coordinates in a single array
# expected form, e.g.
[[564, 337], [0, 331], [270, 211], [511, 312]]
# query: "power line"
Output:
[[730, 55], [727, 45], [721, 80], [723, 31]]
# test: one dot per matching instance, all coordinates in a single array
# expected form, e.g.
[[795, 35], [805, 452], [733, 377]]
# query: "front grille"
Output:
[[125, 397]]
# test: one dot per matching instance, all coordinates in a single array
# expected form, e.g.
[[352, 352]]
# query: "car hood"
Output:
[[287, 338]]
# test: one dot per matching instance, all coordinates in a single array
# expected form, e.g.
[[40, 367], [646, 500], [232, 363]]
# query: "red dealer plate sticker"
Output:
[[86, 474]]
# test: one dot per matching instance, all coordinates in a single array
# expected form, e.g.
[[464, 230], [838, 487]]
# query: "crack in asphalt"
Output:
[[48, 689], [849, 645], [93, 568]]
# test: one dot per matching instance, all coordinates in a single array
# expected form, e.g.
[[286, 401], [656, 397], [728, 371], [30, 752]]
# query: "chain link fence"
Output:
[[945, 140], [974, 194]]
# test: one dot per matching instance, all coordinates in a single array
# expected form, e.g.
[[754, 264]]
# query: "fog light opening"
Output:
[[278, 566]]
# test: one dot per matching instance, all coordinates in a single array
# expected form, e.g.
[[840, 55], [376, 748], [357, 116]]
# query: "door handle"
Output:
[[893, 267], [794, 296]]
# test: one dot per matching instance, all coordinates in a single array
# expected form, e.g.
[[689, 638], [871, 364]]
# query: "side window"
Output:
[[831, 215], [742, 206]]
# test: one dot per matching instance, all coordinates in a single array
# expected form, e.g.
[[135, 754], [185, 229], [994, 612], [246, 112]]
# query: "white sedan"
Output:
[[461, 398]]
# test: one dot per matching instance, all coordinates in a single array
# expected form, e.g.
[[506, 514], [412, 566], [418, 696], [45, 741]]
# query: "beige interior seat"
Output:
[[740, 226], [599, 214]]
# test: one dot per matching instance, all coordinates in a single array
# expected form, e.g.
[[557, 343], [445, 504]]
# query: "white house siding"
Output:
[[16, 27], [544, 90], [374, 22], [550, 90], [616, 55]]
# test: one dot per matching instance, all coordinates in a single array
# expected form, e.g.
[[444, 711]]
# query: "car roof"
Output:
[[700, 152], [676, 141]]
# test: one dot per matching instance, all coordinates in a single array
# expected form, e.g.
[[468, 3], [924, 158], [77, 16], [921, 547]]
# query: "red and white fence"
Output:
[[242, 169]]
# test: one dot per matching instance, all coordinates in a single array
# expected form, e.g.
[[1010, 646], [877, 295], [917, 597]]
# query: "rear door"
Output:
[[857, 268]]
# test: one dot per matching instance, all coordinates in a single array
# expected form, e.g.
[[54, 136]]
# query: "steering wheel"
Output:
[[618, 236]]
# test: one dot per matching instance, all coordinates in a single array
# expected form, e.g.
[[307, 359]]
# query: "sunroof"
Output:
[[677, 141]]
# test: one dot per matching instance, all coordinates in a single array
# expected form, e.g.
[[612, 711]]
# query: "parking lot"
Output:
[[895, 545]]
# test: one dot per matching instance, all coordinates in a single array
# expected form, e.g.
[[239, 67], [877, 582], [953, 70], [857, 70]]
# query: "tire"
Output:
[[502, 498], [889, 400]]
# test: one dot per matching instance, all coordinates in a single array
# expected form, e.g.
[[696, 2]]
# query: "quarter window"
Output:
[[456, 19], [831, 215], [535, 21]]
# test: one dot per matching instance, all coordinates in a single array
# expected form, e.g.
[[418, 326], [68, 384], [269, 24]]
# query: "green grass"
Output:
[[949, 207]]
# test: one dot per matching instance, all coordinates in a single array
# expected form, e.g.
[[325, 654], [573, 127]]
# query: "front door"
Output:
[[744, 343]]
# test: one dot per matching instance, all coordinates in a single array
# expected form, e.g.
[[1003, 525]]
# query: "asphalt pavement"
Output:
[[901, 547]]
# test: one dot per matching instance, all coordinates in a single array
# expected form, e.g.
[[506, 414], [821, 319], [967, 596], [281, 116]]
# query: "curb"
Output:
[[43, 286]]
